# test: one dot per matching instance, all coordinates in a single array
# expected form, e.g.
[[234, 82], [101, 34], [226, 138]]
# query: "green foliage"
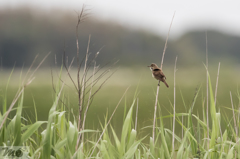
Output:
[[57, 137]]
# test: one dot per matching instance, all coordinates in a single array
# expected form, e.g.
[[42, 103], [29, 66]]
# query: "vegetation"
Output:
[[57, 137], [207, 133]]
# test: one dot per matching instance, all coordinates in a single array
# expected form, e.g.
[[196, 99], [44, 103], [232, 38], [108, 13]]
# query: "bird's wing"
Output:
[[158, 74], [162, 74]]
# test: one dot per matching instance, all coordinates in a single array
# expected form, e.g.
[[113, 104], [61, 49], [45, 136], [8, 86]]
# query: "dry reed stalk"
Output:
[[174, 106], [68, 69], [238, 123], [18, 94], [82, 89], [207, 90], [154, 117], [182, 126], [20, 91], [234, 119], [165, 47], [217, 83], [136, 116], [156, 101], [89, 101], [85, 83], [216, 98], [79, 68], [235, 123]]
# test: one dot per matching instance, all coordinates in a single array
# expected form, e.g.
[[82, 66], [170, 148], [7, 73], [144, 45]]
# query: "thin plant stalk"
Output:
[[156, 101], [89, 101], [165, 47], [217, 83], [234, 119], [207, 90], [235, 123], [83, 85], [20, 91], [14, 101], [182, 126], [216, 97], [154, 117], [238, 122], [136, 116], [174, 106], [80, 16], [81, 93]]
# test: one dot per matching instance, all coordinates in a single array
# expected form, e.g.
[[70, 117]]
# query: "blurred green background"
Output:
[[24, 34]]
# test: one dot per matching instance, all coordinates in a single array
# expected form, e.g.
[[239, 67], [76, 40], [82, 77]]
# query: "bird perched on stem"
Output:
[[158, 74]]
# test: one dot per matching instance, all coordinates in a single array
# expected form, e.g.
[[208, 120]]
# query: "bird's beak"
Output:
[[148, 66]]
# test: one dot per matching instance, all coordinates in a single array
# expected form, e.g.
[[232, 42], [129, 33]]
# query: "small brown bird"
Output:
[[158, 74]]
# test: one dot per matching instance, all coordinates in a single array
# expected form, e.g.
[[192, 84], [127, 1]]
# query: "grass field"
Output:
[[53, 130], [139, 79]]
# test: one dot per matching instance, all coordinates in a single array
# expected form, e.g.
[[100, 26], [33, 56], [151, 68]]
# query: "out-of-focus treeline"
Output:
[[26, 32]]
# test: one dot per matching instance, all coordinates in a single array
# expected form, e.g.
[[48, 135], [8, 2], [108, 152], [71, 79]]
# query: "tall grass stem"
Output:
[[174, 107]]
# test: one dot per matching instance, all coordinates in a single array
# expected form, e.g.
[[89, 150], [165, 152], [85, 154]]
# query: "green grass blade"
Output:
[[72, 137], [61, 124], [47, 140], [125, 129], [180, 152], [31, 129], [230, 153], [118, 144], [104, 150], [132, 138], [60, 144], [152, 147], [193, 142], [130, 152], [163, 139], [17, 127], [215, 122]]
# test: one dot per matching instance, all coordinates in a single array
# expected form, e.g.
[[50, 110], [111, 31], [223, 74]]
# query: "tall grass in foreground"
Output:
[[57, 137]]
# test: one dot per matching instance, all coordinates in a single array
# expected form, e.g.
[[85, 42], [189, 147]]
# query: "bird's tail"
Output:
[[165, 83]]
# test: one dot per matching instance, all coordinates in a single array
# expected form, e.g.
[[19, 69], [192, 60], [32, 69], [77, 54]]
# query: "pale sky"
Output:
[[153, 15]]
